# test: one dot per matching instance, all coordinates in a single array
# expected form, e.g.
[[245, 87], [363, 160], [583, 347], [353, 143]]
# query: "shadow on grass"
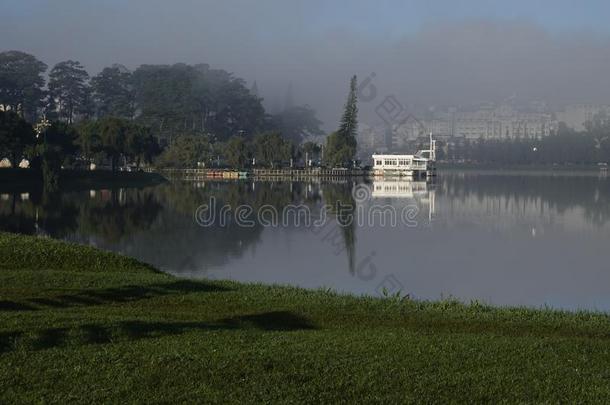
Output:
[[111, 296], [137, 330], [8, 341], [271, 321], [15, 306], [49, 338]]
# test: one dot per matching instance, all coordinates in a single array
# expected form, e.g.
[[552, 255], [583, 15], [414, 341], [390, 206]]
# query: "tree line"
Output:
[[267, 149], [57, 145], [272, 148], [169, 99], [184, 114]]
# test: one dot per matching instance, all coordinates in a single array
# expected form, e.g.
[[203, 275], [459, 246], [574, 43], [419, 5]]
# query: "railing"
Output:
[[264, 173]]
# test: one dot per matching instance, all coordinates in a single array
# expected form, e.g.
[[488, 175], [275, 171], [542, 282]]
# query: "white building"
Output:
[[488, 122], [419, 165], [576, 116], [399, 165]]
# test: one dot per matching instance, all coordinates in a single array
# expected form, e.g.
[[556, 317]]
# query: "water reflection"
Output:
[[421, 193], [503, 238]]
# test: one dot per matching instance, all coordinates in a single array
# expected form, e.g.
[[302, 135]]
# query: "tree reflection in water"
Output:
[[156, 224]]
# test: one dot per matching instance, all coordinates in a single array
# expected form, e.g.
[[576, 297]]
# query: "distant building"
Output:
[[576, 116], [487, 122], [508, 120], [367, 137], [410, 129]]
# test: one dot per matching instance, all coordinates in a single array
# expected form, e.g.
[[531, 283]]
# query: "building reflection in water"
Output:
[[421, 193]]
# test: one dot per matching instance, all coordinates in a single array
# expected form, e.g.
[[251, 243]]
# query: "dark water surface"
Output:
[[503, 238]]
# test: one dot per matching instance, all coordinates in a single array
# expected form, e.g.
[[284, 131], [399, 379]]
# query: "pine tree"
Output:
[[349, 120], [341, 145], [254, 90], [68, 86]]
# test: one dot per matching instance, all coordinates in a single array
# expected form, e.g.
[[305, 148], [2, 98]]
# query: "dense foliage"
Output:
[[267, 149], [21, 82], [180, 99], [298, 123], [16, 136], [113, 93], [188, 151], [194, 110], [116, 138], [69, 93]]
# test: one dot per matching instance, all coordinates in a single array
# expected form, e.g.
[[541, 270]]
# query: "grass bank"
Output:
[[78, 324], [20, 180]]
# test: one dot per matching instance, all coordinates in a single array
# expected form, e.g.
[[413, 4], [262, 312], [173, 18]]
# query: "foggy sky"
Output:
[[452, 52]]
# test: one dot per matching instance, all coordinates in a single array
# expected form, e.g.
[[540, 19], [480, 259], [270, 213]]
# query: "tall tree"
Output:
[[16, 136], [89, 140], [113, 137], [235, 110], [140, 144], [349, 121], [182, 99], [69, 89], [164, 96], [341, 145], [21, 83], [113, 92], [56, 147]]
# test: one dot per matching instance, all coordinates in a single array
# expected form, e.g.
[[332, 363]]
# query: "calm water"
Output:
[[506, 239]]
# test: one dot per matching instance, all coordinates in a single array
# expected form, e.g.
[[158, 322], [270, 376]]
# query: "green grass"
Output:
[[78, 324]]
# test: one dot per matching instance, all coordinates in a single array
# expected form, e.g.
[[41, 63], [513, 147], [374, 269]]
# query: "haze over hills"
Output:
[[447, 54]]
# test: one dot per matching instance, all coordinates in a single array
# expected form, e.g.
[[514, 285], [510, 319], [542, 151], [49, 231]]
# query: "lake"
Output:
[[503, 238]]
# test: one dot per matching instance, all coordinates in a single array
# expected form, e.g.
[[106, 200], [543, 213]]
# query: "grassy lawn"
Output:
[[77, 324]]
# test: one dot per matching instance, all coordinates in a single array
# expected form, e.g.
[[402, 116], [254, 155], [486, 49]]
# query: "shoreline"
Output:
[[22, 180], [16, 180], [122, 330]]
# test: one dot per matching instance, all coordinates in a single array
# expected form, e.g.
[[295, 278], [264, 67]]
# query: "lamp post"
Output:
[[41, 127], [49, 178]]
